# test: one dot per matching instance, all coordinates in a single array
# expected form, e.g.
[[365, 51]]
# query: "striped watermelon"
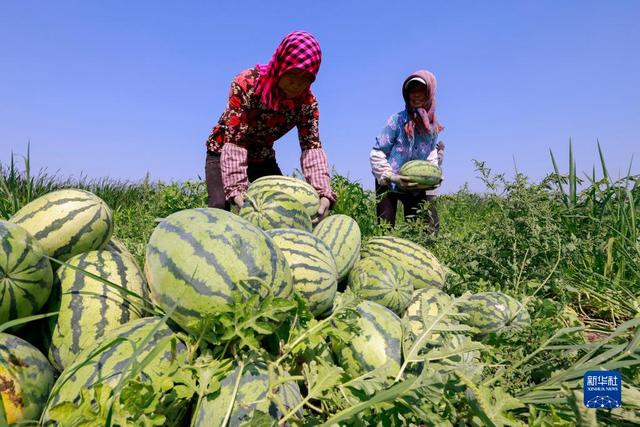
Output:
[[377, 279], [245, 390], [297, 188], [312, 265], [425, 303], [421, 265], [274, 209], [342, 234], [494, 312], [89, 308], [26, 378], [67, 222], [197, 257], [424, 173], [116, 245], [376, 345], [25, 273], [106, 363]]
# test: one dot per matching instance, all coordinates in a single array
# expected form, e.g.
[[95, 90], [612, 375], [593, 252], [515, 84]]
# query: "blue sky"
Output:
[[123, 88]]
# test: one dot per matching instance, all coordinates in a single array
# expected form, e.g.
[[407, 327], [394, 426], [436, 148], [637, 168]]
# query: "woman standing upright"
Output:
[[411, 134], [266, 102]]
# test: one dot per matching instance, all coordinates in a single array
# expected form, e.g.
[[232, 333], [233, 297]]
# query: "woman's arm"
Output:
[[233, 160], [440, 148], [313, 158], [380, 166], [379, 155]]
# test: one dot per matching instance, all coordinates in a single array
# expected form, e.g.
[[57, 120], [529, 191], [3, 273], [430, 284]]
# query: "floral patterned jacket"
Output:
[[249, 129], [394, 148]]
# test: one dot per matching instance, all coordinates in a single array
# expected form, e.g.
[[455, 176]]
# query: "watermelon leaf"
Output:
[[248, 320], [319, 380], [491, 407], [389, 395], [93, 408], [307, 332], [443, 321]]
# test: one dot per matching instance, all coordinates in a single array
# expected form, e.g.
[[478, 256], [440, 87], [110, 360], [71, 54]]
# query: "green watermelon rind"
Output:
[[67, 222], [342, 234]]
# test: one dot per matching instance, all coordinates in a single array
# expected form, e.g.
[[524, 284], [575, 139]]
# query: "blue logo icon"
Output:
[[602, 389]]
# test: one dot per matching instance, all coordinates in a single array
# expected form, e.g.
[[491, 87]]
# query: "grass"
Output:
[[580, 247], [568, 247]]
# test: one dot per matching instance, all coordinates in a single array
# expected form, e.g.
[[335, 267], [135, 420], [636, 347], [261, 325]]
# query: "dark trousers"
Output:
[[213, 174], [388, 205]]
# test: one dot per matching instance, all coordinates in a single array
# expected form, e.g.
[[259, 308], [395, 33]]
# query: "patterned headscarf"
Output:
[[298, 50], [424, 119]]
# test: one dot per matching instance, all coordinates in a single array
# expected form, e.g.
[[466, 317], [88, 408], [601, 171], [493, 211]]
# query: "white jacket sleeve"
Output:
[[380, 166]]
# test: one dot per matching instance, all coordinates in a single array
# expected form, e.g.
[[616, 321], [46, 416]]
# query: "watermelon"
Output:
[[26, 275], [424, 173], [315, 276], [297, 188], [196, 258], [494, 312], [342, 234], [274, 209], [377, 345], [245, 390], [26, 378], [116, 245], [89, 308], [67, 222], [105, 363], [426, 303], [421, 265], [380, 280]]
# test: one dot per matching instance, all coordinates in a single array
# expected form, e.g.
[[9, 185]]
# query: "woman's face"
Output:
[[294, 82], [418, 97]]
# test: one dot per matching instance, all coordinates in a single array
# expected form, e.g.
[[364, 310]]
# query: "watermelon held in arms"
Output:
[[26, 275], [67, 222], [424, 173]]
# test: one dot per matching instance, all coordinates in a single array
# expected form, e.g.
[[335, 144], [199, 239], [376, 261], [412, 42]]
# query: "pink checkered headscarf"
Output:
[[298, 50]]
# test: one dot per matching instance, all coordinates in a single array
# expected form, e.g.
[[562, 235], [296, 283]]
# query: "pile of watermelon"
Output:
[[119, 333]]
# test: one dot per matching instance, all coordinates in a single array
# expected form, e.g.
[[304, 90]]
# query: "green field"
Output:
[[567, 247]]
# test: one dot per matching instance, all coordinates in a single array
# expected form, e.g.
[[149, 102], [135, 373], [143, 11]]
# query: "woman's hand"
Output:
[[239, 200], [323, 211], [403, 182], [440, 148]]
